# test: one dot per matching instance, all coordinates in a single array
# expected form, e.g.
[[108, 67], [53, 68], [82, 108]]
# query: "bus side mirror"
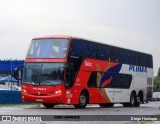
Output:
[[66, 75], [62, 74], [17, 74], [69, 77]]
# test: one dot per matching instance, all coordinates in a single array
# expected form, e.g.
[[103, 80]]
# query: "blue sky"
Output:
[[133, 24]]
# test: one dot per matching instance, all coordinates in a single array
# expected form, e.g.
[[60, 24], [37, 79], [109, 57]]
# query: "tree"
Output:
[[158, 72], [157, 82]]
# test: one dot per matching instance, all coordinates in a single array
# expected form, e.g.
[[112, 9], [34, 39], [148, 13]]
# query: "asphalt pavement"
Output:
[[93, 114]]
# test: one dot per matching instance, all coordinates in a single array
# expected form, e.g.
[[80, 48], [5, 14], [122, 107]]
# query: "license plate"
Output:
[[39, 100]]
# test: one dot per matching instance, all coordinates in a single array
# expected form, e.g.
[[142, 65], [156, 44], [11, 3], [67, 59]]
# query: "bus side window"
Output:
[[113, 54], [123, 56], [95, 52], [126, 80], [76, 48], [115, 83], [139, 59], [73, 48], [91, 53], [79, 48], [99, 52], [149, 61], [132, 58], [85, 49], [105, 53], [144, 59], [120, 81], [92, 82]]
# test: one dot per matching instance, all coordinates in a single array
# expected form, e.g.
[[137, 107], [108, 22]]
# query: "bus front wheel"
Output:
[[47, 105], [82, 101]]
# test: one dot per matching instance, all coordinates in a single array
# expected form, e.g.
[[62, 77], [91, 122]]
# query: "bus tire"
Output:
[[47, 105], [138, 101], [141, 97], [82, 101], [106, 105], [132, 99]]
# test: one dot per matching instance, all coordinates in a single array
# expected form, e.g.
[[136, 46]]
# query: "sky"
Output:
[[132, 24]]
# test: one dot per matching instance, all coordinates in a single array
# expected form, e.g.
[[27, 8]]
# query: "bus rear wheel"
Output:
[[132, 99], [138, 101], [106, 105], [82, 101], [47, 105]]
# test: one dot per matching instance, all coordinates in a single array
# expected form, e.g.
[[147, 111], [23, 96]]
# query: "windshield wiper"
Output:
[[33, 83], [30, 83]]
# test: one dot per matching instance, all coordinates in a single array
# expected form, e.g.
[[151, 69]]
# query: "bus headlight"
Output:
[[25, 91], [56, 92]]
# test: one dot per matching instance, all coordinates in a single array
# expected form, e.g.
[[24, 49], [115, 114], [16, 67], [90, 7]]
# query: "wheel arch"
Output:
[[133, 91]]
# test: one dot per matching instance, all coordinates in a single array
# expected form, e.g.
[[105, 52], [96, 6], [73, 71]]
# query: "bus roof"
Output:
[[54, 36], [72, 37], [111, 45]]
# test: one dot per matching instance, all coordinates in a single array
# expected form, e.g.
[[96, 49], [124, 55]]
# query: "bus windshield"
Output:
[[42, 73], [48, 48]]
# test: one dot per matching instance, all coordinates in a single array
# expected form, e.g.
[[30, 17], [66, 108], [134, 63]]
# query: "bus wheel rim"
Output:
[[82, 100], [132, 100]]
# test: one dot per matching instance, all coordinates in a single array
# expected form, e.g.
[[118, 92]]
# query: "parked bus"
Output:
[[75, 71]]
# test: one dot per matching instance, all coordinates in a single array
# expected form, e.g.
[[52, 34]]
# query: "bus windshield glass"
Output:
[[48, 48], [42, 73]]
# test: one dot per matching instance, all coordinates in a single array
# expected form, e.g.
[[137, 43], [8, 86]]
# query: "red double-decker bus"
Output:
[[74, 71]]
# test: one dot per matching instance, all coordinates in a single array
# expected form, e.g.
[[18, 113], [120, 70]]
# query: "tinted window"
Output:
[[48, 48], [85, 49], [92, 82], [123, 56], [77, 48], [149, 61], [139, 59], [113, 54], [118, 80], [91, 50], [132, 58], [102, 52]]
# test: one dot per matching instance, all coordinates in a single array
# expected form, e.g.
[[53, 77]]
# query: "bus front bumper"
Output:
[[54, 99]]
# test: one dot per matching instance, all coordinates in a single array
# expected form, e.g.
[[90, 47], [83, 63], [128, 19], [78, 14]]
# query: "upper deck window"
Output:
[[48, 48]]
